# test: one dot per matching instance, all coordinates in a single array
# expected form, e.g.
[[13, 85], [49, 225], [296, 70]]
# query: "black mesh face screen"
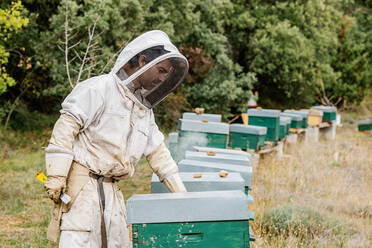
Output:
[[173, 80]]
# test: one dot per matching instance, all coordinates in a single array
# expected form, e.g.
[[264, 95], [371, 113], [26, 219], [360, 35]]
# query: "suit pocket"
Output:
[[84, 211]]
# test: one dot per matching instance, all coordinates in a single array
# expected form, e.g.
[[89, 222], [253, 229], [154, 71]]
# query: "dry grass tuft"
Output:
[[332, 179]]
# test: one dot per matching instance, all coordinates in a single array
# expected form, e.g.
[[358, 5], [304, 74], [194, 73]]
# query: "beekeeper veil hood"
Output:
[[151, 67]]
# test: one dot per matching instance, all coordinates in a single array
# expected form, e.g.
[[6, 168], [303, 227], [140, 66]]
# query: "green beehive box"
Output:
[[172, 144], [285, 123], [304, 115], [201, 117], [266, 118], [244, 137], [216, 219], [365, 125], [329, 112], [212, 134], [296, 119]]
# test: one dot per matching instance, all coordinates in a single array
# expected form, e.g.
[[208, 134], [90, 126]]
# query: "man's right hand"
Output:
[[54, 186]]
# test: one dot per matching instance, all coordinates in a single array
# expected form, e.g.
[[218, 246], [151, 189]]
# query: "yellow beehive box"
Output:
[[315, 117]]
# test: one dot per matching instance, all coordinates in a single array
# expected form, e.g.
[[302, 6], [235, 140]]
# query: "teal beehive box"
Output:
[[201, 117], [192, 132], [218, 158], [192, 219], [285, 123], [365, 125], [329, 112], [187, 165], [247, 137], [207, 181], [172, 144], [296, 119], [268, 118], [303, 113]]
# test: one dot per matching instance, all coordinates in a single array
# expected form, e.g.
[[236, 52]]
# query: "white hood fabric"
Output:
[[115, 130], [142, 42], [176, 76]]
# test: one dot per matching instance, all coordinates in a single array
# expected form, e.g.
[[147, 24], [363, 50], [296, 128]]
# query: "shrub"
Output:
[[302, 222]]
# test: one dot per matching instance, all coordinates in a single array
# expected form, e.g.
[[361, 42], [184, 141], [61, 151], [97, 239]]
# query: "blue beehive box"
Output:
[[201, 166]]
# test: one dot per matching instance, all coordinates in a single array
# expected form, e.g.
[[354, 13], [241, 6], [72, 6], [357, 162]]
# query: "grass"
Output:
[[24, 206], [307, 200], [310, 192]]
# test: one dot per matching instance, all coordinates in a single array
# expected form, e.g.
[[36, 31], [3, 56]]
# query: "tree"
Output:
[[352, 61], [11, 20]]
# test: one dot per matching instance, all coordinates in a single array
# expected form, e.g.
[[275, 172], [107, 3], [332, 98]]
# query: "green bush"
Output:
[[294, 53], [24, 120]]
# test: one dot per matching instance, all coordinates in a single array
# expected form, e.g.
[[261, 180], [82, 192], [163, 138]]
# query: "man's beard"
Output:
[[143, 91]]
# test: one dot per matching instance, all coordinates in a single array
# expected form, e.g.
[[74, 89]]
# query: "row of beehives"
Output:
[[214, 212], [264, 125]]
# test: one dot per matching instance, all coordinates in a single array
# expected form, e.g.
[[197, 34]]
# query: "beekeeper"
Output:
[[106, 126]]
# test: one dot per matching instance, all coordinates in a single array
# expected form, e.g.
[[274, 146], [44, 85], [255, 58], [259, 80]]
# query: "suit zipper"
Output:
[[130, 131]]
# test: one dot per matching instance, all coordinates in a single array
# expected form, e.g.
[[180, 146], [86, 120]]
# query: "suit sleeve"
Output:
[[80, 108]]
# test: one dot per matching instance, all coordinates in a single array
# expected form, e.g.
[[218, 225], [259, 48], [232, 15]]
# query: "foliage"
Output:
[[294, 53], [352, 61], [201, 38], [25, 120], [284, 58], [295, 49], [11, 20]]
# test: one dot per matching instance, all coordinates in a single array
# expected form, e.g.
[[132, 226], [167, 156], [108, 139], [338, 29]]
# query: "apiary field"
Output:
[[319, 195]]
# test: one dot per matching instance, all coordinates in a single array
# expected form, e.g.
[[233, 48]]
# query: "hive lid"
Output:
[[203, 127], [187, 165], [264, 112], [172, 137], [365, 122], [208, 117], [285, 120], [209, 181], [188, 207], [315, 112], [250, 129], [218, 158], [221, 150], [206, 177], [294, 117], [303, 113], [326, 109]]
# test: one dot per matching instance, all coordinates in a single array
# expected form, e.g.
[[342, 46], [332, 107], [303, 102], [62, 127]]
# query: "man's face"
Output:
[[155, 75]]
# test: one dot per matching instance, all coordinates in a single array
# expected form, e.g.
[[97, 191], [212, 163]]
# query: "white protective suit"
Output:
[[105, 129]]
